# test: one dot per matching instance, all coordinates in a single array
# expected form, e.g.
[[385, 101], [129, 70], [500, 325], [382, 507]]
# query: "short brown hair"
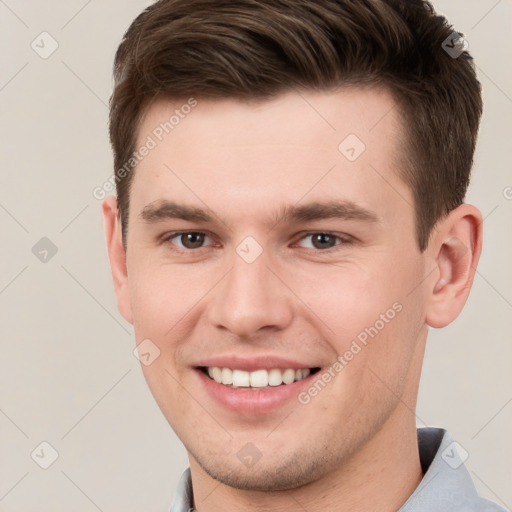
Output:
[[256, 49]]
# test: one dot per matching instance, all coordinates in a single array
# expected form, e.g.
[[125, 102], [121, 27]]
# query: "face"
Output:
[[263, 244]]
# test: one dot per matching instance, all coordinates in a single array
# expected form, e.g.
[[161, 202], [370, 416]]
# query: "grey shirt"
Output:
[[446, 485]]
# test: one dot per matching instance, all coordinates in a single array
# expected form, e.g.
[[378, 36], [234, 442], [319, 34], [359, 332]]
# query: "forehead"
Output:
[[304, 119], [242, 154]]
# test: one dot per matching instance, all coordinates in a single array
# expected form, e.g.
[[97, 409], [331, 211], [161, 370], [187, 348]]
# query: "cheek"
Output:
[[163, 297], [343, 301], [367, 315]]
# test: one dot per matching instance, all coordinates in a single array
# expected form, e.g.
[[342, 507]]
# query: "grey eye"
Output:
[[320, 241]]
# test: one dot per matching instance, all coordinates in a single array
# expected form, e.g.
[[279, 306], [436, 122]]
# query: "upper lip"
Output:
[[263, 362]]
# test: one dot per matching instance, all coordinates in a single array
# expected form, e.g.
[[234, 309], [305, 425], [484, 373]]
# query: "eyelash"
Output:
[[344, 240]]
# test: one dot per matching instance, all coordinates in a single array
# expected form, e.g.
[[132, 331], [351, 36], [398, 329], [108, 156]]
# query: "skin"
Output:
[[353, 446]]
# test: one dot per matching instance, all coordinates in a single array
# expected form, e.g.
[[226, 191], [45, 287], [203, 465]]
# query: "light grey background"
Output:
[[67, 372]]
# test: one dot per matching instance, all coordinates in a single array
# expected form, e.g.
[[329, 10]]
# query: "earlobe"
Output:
[[456, 249], [117, 256]]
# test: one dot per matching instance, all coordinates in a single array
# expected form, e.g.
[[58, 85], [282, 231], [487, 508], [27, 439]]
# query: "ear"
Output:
[[455, 247], [117, 256]]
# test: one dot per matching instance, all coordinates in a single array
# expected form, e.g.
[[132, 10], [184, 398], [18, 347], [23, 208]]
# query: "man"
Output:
[[289, 222]]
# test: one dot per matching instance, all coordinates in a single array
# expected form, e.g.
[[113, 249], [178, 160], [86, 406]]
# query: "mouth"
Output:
[[256, 380]]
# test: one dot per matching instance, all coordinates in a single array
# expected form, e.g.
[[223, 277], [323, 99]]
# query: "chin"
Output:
[[282, 474]]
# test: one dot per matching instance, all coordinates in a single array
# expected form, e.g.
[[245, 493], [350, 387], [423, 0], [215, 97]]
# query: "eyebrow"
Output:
[[163, 210]]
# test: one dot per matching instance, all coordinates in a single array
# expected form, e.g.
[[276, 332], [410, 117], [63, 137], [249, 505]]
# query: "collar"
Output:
[[446, 484]]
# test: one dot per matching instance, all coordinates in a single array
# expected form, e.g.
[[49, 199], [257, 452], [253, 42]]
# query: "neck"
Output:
[[381, 477]]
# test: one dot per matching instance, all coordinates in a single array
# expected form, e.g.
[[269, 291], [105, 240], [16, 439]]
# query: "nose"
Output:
[[251, 298]]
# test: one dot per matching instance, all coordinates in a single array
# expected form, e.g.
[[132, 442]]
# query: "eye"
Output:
[[188, 239], [322, 240]]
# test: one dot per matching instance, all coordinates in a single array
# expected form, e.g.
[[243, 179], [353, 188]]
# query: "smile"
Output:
[[259, 379]]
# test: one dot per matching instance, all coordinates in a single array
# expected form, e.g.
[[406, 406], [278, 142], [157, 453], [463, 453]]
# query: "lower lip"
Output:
[[251, 401]]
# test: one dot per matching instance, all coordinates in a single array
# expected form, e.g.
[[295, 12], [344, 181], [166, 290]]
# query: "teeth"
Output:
[[275, 378], [227, 376], [288, 376], [257, 379], [217, 375], [241, 379]]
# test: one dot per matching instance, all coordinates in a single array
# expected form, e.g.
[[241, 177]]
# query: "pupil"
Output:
[[192, 240], [322, 241]]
